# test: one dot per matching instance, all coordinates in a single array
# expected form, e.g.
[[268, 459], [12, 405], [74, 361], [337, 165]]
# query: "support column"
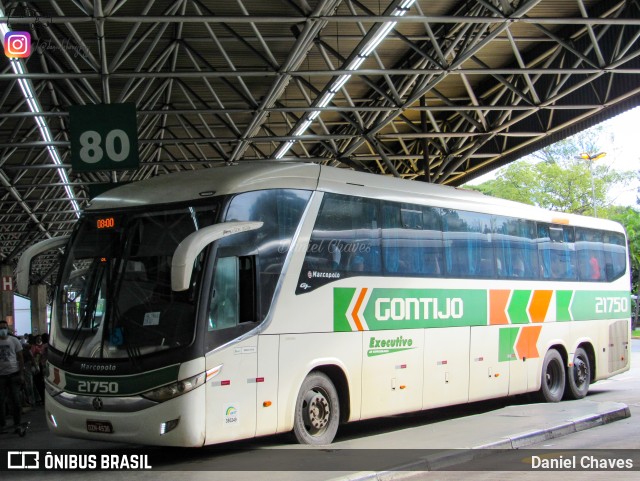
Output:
[[38, 296], [7, 283]]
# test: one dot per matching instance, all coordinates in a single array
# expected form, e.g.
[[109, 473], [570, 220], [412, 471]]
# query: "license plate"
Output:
[[99, 427]]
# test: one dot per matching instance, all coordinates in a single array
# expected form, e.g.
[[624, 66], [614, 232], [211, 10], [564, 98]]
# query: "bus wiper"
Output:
[[87, 315]]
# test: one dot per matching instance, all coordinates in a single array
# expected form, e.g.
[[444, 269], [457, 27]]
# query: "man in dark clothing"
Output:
[[11, 374]]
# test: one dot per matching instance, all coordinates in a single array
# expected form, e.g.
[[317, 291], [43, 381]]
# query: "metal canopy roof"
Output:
[[433, 90]]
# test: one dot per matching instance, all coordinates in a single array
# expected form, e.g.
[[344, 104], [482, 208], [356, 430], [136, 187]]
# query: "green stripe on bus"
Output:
[[413, 308], [508, 336], [120, 385], [563, 301], [589, 305], [518, 307], [390, 308], [341, 300]]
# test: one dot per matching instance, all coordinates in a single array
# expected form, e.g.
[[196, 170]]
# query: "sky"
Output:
[[620, 140]]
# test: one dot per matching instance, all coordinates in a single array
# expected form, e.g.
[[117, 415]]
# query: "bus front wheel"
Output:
[[578, 376], [317, 412], [553, 377]]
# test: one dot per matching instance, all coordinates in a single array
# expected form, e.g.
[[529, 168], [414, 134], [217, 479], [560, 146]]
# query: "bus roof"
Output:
[[249, 176]]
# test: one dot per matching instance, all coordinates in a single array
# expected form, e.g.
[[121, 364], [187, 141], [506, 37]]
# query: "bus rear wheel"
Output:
[[578, 376], [553, 377], [317, 412]]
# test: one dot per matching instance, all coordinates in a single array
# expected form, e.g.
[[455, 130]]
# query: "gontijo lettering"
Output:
[[389, 308], [398, 309]]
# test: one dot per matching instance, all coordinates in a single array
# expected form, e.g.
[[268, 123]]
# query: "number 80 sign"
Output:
[[103, 137]]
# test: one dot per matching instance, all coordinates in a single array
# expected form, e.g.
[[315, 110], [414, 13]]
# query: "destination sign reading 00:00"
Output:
[[106, 223]]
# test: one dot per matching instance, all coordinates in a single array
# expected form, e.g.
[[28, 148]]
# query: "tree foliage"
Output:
[[630, 219], [564, 186], [555, 178]]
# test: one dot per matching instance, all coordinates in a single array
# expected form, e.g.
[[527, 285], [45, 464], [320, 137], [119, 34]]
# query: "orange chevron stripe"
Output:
[[526, 345], [356, 308], [497, 306], [539, 305]]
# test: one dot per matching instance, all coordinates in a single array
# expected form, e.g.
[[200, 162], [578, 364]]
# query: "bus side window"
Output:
[[412, 240], [223, 310], [590, 255], [556, 248], [233, 295], [515, 247], [615, 255], [345, 241], [468, 245]]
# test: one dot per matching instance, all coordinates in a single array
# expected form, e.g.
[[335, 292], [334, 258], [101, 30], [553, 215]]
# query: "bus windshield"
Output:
[[115, 298]]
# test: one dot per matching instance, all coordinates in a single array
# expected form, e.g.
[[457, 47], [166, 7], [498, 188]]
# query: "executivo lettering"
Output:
[[378, 346]]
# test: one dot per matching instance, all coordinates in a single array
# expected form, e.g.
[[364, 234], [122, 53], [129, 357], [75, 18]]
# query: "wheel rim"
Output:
[[580, 372], [316, 411], [553, 377]]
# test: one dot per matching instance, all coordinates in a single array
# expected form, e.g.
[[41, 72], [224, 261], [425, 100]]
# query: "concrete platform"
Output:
[[460, 440]]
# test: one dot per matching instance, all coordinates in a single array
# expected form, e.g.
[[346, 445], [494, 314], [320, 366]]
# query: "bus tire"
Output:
[[553, 377], [317, 412], [578, 376]]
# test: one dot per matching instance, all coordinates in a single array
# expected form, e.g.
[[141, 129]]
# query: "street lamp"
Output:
[[591, 158]]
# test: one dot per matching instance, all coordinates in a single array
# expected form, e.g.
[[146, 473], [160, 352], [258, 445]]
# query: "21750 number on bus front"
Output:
[[98, 387]]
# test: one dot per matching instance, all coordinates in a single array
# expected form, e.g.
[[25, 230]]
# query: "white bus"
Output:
[[263, 298]]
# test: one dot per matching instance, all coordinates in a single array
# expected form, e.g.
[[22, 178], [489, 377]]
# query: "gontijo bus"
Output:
[[247, 300]]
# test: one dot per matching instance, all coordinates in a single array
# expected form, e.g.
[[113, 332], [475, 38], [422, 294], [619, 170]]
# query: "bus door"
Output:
[[517, 344], [488, 372], [392, 372], [232, 366]]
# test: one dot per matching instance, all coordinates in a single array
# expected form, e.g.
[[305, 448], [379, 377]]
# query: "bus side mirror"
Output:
[[24, 263], [193, 244]]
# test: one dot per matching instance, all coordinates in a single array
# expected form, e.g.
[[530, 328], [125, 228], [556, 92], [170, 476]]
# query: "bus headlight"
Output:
[[175, 389]]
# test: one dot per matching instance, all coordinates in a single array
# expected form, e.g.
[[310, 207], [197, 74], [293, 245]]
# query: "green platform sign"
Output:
[[103, 137]]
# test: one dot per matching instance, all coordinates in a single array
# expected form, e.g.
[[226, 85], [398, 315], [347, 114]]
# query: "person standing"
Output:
[[39, 353], [11, 374]]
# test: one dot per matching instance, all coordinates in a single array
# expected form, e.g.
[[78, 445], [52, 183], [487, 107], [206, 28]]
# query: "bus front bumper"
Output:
[[176, 422]]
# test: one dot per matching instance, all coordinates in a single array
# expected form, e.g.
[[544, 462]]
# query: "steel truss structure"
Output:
[[430, 90]]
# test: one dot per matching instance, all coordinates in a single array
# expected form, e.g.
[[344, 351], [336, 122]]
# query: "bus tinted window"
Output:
[[515, 248], [345, 241], [614, 255], [423, 241], [281, 211], [556, 250], [467, 244], [347, 234], [412, 240], [590, 254]]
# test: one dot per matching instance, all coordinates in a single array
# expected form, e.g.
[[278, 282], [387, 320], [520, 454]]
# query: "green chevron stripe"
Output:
[[517, 309], [508, 337], [563, 301]]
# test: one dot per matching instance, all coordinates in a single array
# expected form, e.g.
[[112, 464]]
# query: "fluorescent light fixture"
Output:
[[378, 38], [356, 62], [303, 126], [326, 98], [339, 83], [407, 4], [354, 65], [29, 94], [284, 148]]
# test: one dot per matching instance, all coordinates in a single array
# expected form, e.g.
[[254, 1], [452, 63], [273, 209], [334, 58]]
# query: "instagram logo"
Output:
[[17, 44]]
